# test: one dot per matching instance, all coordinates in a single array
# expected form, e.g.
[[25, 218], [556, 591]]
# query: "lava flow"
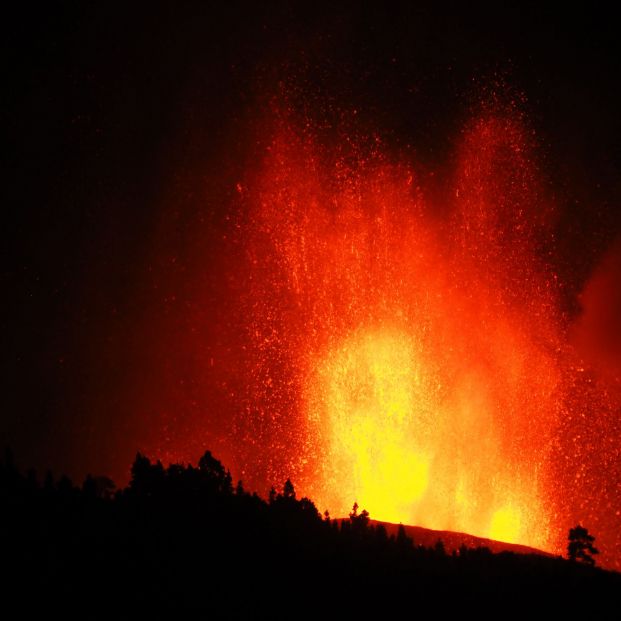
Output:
[[405, 354]]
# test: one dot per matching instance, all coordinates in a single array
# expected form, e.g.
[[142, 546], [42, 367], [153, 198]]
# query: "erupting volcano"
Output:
[[280, 277], [406, 348]]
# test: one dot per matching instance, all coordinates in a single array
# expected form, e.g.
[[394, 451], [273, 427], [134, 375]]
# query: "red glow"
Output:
[[386, 335], [401, 357]]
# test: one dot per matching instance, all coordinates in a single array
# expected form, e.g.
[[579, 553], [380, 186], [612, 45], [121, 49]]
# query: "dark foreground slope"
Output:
[[183, 542]]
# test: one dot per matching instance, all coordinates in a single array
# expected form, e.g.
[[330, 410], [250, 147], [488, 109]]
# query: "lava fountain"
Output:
[[404, 354]]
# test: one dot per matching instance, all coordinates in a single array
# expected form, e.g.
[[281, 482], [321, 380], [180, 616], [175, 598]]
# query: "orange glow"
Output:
[[420, 351]]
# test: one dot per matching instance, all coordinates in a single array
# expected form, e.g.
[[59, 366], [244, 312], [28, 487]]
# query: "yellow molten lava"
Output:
[[372, 393], [505, 525], [408, 449]]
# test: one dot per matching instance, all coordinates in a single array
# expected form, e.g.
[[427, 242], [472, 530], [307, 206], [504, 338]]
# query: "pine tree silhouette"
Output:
[[580, 548]]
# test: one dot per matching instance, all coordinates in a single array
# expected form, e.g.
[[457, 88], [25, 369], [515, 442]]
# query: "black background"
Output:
[[111, 110]]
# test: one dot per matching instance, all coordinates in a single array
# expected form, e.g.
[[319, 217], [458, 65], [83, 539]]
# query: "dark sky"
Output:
[[125, 128]]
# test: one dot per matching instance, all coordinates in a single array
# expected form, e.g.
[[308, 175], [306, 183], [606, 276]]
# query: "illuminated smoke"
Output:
[[596, 333]]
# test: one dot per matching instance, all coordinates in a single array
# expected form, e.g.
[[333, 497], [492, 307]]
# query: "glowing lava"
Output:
[[373, 400], [401, 357]]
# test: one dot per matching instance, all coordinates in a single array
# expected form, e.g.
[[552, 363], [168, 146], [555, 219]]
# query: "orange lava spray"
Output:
[[409, 361]]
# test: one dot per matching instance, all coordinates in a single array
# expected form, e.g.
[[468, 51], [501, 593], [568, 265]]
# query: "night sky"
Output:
[[127, 131]]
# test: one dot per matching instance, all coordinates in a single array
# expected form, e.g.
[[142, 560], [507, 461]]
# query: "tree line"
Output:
[[186, 539]]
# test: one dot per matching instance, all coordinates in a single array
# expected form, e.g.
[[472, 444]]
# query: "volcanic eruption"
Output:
[[372, 251], [406, 351]]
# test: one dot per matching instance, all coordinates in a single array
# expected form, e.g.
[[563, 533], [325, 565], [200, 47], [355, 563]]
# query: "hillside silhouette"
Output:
[[453, 540], [187, 542]]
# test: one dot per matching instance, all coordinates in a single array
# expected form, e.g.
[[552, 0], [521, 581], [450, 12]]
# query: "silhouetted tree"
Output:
[[147, 479], [272, 495], [65, 486], [214, 472], [580, 547], [307, 508], [380, 533], [403, 541], [104, 487], [354, 511], [89, 487], [439, 548], [288, 490], [359, 521]]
